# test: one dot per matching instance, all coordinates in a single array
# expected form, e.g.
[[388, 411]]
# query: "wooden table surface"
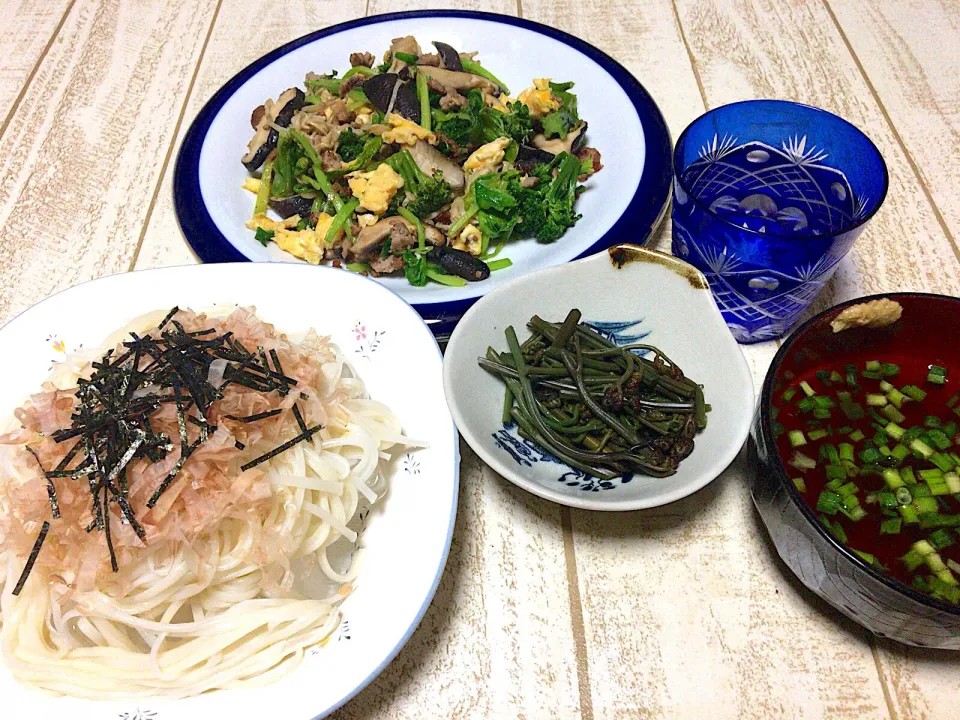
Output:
[[543, 612]]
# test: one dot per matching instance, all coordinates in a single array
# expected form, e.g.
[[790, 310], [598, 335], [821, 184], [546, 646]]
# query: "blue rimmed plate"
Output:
[[623, 203]]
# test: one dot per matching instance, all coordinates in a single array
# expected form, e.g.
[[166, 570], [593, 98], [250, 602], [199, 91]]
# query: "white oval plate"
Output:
[[623, 202], [408, 533], [627, 293]]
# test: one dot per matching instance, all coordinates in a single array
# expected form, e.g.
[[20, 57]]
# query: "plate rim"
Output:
[[646, 209], [448, 540]]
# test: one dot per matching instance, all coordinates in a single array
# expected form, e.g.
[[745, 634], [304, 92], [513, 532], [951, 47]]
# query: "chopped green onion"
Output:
[[358, 267], [892, 478], [914, 393], [889, 369], [857, 435], [891, 413], [807, 390], [829, 502], [921, 449], [900, 453], [788, 394], [890, 526], [876, 399], [894, 431], [940, 539], [800, 484], [504, 263], [802, 462], [937, 375], [925, 505]]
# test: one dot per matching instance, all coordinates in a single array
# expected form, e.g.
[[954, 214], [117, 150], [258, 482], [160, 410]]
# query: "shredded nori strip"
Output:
[[162, 488], [306, 435], [255, 417], [112, 427], [44, 529], [51, 489]]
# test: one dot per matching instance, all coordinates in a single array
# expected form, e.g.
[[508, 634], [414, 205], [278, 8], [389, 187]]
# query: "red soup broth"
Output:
[[914, 346]]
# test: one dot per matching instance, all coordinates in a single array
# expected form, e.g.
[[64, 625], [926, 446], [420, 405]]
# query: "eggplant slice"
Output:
[[389, 93], [265, 139]]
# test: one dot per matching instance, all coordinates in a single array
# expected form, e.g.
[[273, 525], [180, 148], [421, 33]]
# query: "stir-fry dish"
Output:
[[422, 166], [874, 449], [605, 409]]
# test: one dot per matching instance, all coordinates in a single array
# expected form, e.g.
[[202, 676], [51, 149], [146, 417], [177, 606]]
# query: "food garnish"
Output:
[[605, 409]]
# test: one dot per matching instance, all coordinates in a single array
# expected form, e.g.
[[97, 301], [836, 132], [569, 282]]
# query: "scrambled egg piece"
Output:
[[364, 115], [263, 222], [376, 188], [539, 98], [406, 132], [469, 240], [498, 103], [252, 184], [306, 244], [873, 314], [486, 158], [366, 220]]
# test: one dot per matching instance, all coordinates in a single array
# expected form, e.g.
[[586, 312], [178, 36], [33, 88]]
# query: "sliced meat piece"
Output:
[[350, 83], [330, 161], [386, 265], [362, 58], [452, 100], [593, 155], [429, 59]]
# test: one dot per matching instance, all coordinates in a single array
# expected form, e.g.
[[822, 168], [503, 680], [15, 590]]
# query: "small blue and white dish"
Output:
[[627, 199], [629, 294]]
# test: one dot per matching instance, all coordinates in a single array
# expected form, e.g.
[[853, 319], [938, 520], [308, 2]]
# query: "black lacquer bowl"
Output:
[[929, 327]]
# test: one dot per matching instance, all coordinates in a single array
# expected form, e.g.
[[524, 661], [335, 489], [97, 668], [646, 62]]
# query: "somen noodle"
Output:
[[180, 514]]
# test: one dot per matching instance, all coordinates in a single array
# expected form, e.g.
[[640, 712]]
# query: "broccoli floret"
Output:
[[349, 145], [429, 193], [546, 211], [464, 127], [516, 124]]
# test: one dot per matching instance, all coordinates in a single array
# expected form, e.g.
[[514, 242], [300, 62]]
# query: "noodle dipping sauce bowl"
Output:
[[925, 335]]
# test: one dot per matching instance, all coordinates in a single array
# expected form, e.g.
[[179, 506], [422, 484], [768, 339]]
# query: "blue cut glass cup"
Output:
[[768, 197]]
